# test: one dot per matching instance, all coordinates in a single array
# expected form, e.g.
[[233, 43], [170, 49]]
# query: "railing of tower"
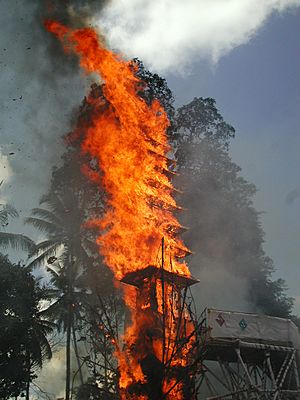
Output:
[[181, 335], [198, 337]]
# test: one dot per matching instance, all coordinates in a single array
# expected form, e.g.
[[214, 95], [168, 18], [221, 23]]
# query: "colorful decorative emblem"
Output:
[[220, 320], [243, 324]]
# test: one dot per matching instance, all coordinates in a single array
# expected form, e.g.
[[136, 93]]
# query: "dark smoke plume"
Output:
[[41, 88], [74, 13]]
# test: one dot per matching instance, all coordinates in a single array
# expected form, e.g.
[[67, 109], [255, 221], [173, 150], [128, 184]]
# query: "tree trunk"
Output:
[[77, 354], [27, 389], [28, 380], [68, 351]]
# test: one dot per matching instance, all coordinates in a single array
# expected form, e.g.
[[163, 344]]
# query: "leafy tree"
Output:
[[70, 251], [154, 87], [65, 309], [61, 222], [23, 331], [225, 228], [64, 246], [200, 119]]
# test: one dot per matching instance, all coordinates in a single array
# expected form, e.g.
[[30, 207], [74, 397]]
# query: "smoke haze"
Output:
[[41, 89], [169, 34]]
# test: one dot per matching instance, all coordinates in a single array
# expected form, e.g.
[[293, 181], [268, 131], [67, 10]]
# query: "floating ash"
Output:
[[127, 138]]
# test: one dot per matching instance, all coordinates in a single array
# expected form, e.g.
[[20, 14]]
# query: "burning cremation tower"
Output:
[[167, 341]]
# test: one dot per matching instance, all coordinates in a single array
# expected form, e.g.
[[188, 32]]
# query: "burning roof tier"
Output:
[[138, 278]]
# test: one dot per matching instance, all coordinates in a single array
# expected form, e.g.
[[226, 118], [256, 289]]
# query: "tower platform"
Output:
[[140, 277]]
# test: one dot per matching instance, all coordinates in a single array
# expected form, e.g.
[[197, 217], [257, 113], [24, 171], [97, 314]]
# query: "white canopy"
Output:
[[254, 327]]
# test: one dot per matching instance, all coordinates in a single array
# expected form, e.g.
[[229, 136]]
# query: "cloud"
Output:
[[169, 34]]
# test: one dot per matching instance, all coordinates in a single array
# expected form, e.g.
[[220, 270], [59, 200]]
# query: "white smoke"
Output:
[[169, 34], [52, 377]]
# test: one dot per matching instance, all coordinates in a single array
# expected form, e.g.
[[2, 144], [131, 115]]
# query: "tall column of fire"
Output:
[[128, 139]]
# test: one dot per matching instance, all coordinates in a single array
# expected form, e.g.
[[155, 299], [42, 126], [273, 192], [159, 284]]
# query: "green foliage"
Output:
[[66, 249], [6, 212], [271, 295], [61, 222], [224, 227], [23, 333], [200, 119], [154, 88]]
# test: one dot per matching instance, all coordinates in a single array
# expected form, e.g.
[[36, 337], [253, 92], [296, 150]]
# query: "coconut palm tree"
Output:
[[66, 247], [38, 347], [62, 223], [65, 309]]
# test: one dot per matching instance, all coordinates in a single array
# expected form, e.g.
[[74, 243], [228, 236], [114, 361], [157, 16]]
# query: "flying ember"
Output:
[[128, 139]]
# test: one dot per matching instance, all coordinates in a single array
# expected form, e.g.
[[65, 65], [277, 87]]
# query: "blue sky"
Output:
[[257, 89]]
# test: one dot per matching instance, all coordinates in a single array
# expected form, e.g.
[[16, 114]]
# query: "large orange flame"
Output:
[[128, 139]]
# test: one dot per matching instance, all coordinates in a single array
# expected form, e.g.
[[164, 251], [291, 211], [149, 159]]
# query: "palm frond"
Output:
[[46, 325], [56, 204], [43, 328], [16, 241], [53, 272], [65, 207], [48, 216], [45, 245], [53, 201], [43, 225], [57, 312], [7, 211], [42, 257], [48, 312], [46, 347]]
